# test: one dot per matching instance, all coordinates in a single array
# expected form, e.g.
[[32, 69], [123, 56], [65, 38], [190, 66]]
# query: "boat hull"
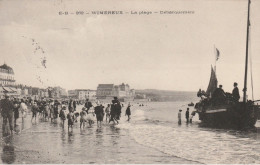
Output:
[[238, 115]]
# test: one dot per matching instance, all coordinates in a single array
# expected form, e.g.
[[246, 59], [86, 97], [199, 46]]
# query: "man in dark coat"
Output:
[[219, 95], [115, 110], [187, 115], [74, 105], [7, 109], [235, 93]]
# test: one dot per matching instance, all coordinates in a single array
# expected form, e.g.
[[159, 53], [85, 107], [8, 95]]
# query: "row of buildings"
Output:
[[103, 92], [108, 91], [8, 85], [82, 94]]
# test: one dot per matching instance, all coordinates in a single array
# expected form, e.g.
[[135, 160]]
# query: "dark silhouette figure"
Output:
[[235, 93]]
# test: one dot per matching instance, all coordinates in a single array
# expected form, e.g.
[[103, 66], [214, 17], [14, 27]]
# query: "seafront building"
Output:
[[8, 85], [7, 80], [108, 91], [82, 94], [6, 75]]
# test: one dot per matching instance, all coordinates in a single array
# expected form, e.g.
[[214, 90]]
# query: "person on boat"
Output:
[[235, 93], [219, 95], [179, 116], [187, 115]]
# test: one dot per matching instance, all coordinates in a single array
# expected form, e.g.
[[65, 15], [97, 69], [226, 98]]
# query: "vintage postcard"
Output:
[[130, 81]]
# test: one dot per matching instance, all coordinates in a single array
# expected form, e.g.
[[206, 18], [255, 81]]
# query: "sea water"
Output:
[[155, 125]]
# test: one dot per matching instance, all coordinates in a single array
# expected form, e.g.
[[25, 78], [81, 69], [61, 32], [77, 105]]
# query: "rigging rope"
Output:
[[250, 58]]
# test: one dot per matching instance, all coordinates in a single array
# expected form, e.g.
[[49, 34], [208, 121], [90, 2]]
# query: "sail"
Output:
[[213, 83]]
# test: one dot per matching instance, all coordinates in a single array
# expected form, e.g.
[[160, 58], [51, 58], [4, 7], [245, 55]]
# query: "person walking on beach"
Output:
[[62, 115], [187, 115], [46, 111], [70, 104], [128, 112], [16, 110], [7, 107], [118, 111], [23, 109], [82, 117], [88, 104], [52, 112], [56, 109], [179, 117], [70, 117], [99, 111], [107, 111], [34, 109], [114, 111], [74, 106]]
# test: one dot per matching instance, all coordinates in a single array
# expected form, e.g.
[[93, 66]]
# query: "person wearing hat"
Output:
[[7, 108], [88, 105], [235, 93]]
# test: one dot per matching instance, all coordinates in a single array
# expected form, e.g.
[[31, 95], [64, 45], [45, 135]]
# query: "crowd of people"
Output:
[[50, 110]]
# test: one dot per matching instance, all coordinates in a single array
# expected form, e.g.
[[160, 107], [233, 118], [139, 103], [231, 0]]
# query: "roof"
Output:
[[7, 68], [105, 85]]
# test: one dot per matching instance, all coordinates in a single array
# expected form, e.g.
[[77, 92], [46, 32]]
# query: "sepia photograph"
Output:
[[130, 81]]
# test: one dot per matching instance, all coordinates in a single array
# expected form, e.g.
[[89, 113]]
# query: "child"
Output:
[[128, 112], [62, 115], [82, 117], [192, 114], [179, 117], [107, 112], [23, 109], [90, 117], [70, 118]]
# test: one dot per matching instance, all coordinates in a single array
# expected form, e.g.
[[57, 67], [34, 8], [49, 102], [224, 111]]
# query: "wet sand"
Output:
[[45, 142]]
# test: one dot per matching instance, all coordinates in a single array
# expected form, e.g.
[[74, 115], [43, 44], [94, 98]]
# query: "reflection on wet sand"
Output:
[[8, 155]]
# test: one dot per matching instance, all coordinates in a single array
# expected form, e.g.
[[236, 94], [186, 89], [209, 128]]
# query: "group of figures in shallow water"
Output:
[[50, 110]]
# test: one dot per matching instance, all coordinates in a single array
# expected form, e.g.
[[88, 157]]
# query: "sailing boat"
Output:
[[229, 113]]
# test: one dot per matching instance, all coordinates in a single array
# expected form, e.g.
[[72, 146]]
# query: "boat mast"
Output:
[[247, 36]]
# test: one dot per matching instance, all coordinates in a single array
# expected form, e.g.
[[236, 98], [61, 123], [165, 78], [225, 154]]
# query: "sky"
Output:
[[155, 51]]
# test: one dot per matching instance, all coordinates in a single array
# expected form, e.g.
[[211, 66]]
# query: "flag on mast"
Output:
[[217, 54]]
